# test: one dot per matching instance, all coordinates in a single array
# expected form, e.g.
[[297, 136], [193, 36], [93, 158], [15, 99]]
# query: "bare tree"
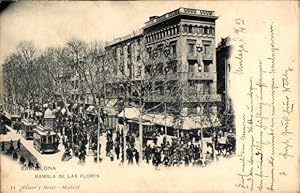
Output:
[[59, 73], [94, 68], [159, 81], [23, 67]]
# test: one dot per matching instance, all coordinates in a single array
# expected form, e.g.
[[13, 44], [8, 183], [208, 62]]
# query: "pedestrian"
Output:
[[137, 157], [22, 160], [148, 153], [2, 146], [17, 127], [117, 150], [11, 147], [19, 144], [30, 164], [129, 155], [15, 156], [37, 166]]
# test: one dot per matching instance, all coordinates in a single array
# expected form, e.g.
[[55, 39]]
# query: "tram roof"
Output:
[[28, 122], [44, 130]]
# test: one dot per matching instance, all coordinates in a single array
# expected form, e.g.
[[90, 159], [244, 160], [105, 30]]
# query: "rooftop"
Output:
[[180, 11], [157, 19], [134, 34]]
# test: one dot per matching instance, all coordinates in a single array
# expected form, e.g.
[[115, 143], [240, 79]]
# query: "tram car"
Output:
[[45, 140], [27, 126]]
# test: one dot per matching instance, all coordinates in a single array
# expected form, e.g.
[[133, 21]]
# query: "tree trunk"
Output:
[[98, 134], [28, 108], [140, 136]]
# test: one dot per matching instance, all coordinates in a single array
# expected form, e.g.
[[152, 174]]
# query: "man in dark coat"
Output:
[[18, 144], [136, 156], [117, 149]]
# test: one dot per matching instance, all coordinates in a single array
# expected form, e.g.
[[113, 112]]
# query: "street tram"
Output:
[[45, 140], [27, 126]]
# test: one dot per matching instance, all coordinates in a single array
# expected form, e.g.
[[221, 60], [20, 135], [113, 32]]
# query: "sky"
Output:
[[53, 23]]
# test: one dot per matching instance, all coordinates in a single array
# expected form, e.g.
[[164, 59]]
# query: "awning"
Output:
[[197, 122], [130, 113], [147, 123], [160, 119]]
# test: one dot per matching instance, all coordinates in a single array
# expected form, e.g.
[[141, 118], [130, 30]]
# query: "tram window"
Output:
[[50, 139], [43, 139]]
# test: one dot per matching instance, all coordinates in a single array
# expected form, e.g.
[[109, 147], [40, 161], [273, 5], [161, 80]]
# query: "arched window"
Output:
[[190, 29], [185, 28], [201, 29], [212, 31], [171, 32], [205, 30]]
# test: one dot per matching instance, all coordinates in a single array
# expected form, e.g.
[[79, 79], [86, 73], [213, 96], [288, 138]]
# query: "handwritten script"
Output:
[[266, 135]]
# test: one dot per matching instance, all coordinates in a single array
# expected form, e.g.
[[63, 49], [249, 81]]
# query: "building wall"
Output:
[[189, 29], [223, 67]]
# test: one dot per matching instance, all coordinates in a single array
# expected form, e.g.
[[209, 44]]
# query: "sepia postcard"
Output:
[[149, 96]]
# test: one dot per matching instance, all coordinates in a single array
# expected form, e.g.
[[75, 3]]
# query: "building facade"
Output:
[[223, 53], [187, 36]]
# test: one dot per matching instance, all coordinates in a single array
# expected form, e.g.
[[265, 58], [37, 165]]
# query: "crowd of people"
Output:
[[78, 133]]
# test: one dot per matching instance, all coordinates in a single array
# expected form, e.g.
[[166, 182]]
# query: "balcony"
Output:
[[197, 97], [192, 56], [207, 56], [200, 76]]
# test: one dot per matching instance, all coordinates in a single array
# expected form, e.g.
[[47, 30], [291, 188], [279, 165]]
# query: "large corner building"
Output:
[[190, 37]]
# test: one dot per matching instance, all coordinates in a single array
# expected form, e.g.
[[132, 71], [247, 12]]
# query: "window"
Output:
[[206, 87], [201, 29], [128, 51], [191, 67], [173, 46], [206, 46], [192, 84], [206, 68], [139, 70], [206, 65], [212, 31], [190, 29], [185, 28], [205, 30], [191, 47]]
